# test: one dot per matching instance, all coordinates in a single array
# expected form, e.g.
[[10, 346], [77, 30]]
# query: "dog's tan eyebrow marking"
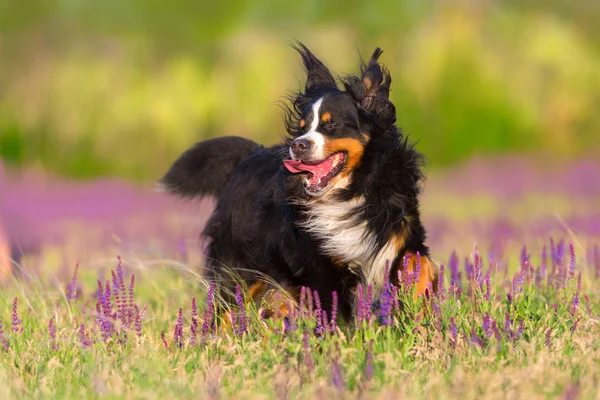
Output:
[[302, 123], [326, 117]]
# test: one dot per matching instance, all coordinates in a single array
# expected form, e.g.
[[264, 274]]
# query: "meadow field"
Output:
[[103, 294], [111, 302]]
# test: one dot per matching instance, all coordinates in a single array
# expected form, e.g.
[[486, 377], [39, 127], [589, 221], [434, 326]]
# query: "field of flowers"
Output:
[[107, 299]]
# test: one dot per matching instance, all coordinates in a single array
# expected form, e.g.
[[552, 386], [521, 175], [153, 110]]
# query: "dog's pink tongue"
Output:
[[318, 170]]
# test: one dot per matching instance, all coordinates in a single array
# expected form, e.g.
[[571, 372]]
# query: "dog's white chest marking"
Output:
[[348, 238]]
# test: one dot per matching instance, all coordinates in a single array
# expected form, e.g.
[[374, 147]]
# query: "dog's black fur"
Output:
[[260, 216]]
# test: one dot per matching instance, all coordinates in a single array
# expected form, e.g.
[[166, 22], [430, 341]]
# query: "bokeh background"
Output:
[[118, 88], [93, 93]]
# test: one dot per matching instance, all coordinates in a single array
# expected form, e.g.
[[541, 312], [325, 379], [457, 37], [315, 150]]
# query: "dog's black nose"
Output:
[[301, 146]]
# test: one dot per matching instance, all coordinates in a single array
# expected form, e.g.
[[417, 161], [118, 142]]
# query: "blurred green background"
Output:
[[120, 88]]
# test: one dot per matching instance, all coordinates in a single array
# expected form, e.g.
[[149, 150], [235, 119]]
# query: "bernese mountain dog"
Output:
[[334, 206]]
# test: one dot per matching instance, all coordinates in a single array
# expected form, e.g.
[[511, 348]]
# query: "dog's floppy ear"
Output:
[[317, 73], [376, 82]]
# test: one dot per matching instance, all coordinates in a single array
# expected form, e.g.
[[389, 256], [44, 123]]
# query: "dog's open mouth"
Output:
[[319, 172]]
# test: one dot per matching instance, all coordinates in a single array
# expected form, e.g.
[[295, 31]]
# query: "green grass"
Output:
[[416, 357]]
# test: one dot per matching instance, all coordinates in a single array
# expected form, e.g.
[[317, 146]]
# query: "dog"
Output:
[[334, 206]]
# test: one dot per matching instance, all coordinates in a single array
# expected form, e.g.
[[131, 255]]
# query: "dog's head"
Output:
[[329, 128]]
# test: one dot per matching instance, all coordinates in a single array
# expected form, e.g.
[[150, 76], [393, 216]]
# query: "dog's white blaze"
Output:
[[317, 139], [315, 121], [348, 238]]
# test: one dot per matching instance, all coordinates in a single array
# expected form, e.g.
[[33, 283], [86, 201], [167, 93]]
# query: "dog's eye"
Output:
[[330, 126]]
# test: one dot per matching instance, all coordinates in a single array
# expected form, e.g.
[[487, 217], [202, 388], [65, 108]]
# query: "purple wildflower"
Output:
[[368, 374], [385, 302], [288, 323], [455, 275], [101, 298], [138, 319], [360, 305], [302, 304], [477, 268], [475, 338], [210, 306], [123, 304], [441, 289], [163, 339], [130, 311], [575, 304], [120, 274], [404, 277], [572, 262], [541, 277], [548, 337], [418, 267], [101, 307], [507, 326], [3, 340], [453, 331], [470, 271], [194, 323], [317, 301], [524, 256], [517, 286], [84, 339], [117, 293], [560, 251], [107, 319], [334, 310], [309, 301], [178, 333], [496, 331], [574, 325], [487, 325], [115, 282], [107, 303], [317, 314], [73, 289], [324, 321], [488, 285], [509, 299], [52, 334], [563, 269], [16, 321], [241, 314]]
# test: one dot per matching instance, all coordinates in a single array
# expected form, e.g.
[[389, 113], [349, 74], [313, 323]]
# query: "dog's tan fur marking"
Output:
[[352, 147], [428, 278]]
